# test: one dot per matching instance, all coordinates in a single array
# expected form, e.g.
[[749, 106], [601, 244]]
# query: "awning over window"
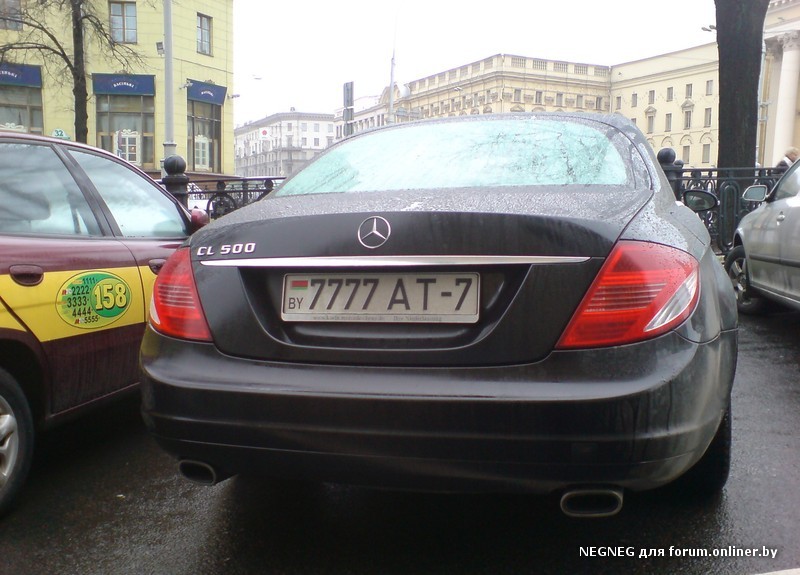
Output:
[[124, 84], [20, 75], [205, 92]]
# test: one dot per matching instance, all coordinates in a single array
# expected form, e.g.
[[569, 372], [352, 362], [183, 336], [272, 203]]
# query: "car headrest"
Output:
[[28, 206]]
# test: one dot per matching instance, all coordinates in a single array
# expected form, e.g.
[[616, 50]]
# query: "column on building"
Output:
[[786, 102]]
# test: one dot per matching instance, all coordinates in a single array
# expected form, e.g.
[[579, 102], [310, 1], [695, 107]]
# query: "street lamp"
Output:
[[170, 147]]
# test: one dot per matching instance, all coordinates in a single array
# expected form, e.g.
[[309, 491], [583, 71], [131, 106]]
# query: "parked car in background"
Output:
[[493, 303], [82, 237], [764, 263]]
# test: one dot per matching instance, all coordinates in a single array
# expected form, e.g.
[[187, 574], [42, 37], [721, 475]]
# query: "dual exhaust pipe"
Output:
[[588, 502], [579, 502], [200, 472]]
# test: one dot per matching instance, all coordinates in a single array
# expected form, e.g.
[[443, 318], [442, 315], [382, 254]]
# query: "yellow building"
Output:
[[127, 101], [674, 99]]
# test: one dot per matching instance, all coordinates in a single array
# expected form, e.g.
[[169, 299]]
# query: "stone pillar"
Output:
[[786, 105]]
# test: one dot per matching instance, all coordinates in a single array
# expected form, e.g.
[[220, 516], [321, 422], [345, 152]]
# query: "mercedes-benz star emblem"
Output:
[[373, 232]]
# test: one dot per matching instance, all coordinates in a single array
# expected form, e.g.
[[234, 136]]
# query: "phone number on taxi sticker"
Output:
[[92, 300]]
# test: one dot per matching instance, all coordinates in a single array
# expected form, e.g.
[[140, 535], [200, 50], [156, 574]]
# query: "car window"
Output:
[[39, 195], [490, 153], [789, 185], [139, 207]]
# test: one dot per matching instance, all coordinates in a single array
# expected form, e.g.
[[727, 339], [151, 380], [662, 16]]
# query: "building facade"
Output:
[[127, 99], [673, 97], [281, 144]]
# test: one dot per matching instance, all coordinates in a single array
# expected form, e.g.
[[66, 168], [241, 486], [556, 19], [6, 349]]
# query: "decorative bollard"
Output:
[[176, 181], [673, 169]]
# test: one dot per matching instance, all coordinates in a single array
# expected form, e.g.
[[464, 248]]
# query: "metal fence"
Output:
[[727, 185], [222, 195]]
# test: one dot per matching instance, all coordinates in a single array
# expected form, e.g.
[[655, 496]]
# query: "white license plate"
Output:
[[382, 297]]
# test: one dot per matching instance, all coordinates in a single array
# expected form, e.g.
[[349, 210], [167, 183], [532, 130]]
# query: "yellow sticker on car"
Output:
[[92, 300]]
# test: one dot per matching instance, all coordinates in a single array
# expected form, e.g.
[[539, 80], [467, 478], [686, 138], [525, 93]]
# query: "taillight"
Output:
[[643, 290], [175, 308]]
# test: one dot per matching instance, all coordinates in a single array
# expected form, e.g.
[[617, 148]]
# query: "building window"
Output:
[[710, 88], [668, 123], [559, 99], [538, 98], [21, 109], [204, 135], [316, 142], [670, 94], [706, 153], [687, 119], [651, 97], [634, 100], [123, 22], [126, 127], [651, 121], [579, 101], [10, 8], [688, 91], [685, 154], [517, 95], [707, 118], [204, 34], [619, 103], [598, 105]]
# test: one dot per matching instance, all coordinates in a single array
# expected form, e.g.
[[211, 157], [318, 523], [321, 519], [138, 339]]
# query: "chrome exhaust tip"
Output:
[[592, 502], [198, 472]]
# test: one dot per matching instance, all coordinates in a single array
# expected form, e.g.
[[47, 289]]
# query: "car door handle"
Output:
[[26, 274], [781, 217], [156, 265]]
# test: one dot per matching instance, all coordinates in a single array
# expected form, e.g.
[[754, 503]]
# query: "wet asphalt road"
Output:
[[103, 499]]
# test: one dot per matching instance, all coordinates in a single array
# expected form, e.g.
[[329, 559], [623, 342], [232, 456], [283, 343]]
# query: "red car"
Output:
[[82, 237]]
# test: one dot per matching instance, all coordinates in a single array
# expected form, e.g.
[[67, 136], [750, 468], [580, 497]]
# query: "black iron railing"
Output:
[[727, 185], [221, 195]]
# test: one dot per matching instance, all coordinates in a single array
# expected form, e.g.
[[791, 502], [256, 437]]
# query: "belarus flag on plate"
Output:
[[299, 284]]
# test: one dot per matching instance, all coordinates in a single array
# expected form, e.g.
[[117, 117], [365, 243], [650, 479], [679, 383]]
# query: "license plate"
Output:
[[385, 298]]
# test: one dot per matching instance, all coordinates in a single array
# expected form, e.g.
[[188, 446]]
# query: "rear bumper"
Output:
[[635, 417]]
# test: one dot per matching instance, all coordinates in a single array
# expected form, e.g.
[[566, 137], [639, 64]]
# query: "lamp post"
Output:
[[170, 147]]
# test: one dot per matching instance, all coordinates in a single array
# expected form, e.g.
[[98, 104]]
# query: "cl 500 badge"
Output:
[[93, 300]]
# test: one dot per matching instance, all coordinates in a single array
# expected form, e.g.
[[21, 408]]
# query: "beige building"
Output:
[[127, 105], [281, 144], [673, 98]]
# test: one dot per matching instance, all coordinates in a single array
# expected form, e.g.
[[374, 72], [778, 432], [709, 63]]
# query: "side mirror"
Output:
[[199, 219], [699, 200], [757, 193]]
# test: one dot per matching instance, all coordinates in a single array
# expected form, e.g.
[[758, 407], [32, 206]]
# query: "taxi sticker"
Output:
[[93, 300]]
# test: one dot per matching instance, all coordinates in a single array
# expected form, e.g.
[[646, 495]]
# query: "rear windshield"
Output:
[[528, 151]]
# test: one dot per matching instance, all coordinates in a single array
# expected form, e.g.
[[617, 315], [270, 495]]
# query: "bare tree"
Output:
[[740, 34], [40, 26]]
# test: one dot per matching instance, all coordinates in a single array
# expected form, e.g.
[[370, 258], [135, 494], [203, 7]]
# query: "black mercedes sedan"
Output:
[[480, 303]]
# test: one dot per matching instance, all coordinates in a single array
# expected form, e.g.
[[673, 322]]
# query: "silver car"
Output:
[[764, 264]]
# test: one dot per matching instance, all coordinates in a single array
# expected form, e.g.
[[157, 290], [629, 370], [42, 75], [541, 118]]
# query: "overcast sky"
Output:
[[299, 54]]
